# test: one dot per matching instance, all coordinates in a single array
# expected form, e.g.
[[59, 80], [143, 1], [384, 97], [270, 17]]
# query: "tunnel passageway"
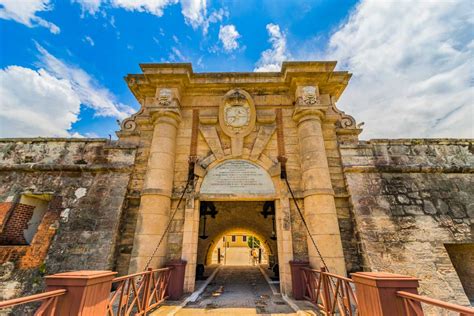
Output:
[[238, 290]]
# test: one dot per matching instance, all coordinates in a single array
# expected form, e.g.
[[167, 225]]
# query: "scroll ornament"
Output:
[[129, 124], [346, 121]]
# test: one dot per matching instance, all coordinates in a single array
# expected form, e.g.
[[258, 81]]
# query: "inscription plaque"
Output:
[[237, 177]]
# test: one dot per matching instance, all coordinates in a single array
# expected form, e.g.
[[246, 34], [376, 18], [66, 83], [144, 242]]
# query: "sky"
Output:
[[62, 62]]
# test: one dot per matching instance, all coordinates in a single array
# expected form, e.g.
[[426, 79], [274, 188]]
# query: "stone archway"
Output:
[[234, 183], [234, 216], [266, 243]]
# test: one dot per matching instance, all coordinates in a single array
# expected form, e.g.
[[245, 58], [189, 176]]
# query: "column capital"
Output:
[[308, 113], [169, 115]]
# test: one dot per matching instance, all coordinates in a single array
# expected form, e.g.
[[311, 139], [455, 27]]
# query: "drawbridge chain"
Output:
[[309, 232], [190, 179], [306, 225]]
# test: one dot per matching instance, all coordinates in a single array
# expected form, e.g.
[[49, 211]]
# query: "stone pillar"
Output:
[[284, 240], [190, 242], [319, 204], [154, 212]]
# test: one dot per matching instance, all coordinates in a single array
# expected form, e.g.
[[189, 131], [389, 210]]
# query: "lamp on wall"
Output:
[[206, 208], [203, 235], [273, 236], [269, 210]]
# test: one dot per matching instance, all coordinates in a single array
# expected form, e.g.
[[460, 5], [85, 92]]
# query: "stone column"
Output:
[[284, 239], [319, 205], [155, 201], [190, 242]]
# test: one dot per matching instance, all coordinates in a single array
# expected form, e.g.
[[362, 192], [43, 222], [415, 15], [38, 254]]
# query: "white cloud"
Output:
[[24, 12], [176, 55], [271, 59], [89, 40], [228, 35], [214, 17], [35, 103], [413, 74], [195, 14], [90, 92], [46, 102], [151, 6], [89, 6], [194, 11]]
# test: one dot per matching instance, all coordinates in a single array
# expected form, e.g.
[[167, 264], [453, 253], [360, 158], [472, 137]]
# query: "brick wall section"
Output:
[[35, 254], [12, 233]]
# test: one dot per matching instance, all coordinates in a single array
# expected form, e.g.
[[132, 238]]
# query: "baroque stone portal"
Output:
[[234, 140]]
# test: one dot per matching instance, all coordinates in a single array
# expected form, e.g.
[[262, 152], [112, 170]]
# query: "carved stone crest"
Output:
[[310, 96], [237, 113], [165, 97], [237, 116]]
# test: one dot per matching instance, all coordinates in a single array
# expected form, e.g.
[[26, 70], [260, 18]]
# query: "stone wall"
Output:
[[88, 179], [410, 198], [462, 257]]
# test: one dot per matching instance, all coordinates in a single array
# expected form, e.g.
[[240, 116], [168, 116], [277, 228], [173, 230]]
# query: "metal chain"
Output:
[[311, 236], [169, 222], [306, 226]]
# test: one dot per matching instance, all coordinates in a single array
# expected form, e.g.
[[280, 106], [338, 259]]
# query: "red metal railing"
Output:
[[138, 293], [412, 304], [47, 308], [331, 293]]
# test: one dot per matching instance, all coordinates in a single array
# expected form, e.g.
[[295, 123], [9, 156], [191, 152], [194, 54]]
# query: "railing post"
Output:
[[146, 289], [377, 292], [325, 290], [297, 279], [87, 292], [176, 282]]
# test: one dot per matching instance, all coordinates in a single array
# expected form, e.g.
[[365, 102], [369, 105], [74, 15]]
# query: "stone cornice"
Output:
[[409, 169], [181, 75], [411, 141], [53, 139], [66, 167]]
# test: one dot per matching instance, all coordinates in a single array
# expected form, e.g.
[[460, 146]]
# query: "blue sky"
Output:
[[62, 62]]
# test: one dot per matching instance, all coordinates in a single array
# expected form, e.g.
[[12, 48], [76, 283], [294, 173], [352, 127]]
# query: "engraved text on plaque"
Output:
[[237, 177]]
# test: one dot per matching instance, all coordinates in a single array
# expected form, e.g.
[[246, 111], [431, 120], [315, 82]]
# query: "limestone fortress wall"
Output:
[[88, 178], [413, 205], [403, 206]]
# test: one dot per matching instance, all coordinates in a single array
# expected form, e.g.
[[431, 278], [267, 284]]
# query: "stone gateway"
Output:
[[243, 150]]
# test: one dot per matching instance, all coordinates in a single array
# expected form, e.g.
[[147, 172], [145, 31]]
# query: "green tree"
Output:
[[253, 242]]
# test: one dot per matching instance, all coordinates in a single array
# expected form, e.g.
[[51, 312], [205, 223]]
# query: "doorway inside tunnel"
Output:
[[239, 233], [239, 248]]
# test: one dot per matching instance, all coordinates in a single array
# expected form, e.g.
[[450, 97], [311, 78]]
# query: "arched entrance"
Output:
[[236, 218], [239, 195], [240, 242]]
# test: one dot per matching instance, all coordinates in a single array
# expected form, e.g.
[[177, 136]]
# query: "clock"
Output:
[[237, 116]]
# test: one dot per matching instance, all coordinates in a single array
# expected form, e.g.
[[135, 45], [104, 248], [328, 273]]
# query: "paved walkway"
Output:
[[237, 290]]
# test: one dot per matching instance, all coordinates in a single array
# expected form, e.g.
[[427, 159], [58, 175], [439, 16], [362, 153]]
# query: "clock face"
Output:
[[237, 116]]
